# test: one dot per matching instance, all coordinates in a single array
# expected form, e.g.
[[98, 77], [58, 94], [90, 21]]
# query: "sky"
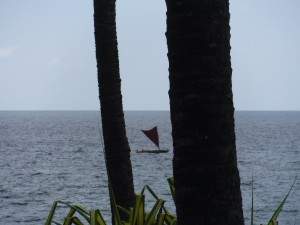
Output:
[[47, 55]]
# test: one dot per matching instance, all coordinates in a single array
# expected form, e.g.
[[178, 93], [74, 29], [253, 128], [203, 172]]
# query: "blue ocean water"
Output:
[[49, 155]]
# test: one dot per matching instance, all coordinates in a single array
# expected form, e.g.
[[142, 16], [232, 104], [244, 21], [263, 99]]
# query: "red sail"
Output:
[[152, 135]]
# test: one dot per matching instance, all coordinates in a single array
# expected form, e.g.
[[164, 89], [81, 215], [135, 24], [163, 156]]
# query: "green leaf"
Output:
[[97, 218], [252, 214], [138, 210], [51, 213], [57, 223], [170, 220], [124, 211], [135, 215], [73, 208], [82, 211], [158, 205], [79, 209], [72, 220], [131, 216], [273, 220], [154, 195], [172, 187], [161, 218], [151, 191]]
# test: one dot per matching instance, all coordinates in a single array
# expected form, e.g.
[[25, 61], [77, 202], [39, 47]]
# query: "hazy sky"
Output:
[[47, 55]]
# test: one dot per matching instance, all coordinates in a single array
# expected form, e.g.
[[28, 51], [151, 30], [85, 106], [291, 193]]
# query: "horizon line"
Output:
[[128, 110]]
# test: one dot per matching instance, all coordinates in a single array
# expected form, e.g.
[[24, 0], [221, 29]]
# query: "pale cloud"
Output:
[[6, 51], [54, 61]]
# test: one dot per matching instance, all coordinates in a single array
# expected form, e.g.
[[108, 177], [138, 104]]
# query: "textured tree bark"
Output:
[[116, 145], [207, 182]]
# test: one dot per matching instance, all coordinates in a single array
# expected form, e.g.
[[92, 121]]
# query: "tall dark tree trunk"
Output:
[[206, 176], [116, 145]]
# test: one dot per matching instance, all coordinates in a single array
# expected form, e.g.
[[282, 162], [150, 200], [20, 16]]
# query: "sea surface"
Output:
[[49, 155]]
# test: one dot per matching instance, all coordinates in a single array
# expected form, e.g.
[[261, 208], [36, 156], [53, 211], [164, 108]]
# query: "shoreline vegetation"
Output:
[[137, 215]]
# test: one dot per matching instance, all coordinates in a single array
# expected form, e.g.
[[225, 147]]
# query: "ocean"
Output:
[[49, 155]]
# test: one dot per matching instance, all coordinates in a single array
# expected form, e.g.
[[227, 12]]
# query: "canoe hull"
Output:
[[152, 151]]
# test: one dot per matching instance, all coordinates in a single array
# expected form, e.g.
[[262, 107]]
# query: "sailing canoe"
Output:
[[152, 134]]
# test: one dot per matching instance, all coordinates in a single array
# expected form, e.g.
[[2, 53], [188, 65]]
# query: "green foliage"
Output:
[[172, 187], [273, 220], [71, 219], [252, 213], [136, 215]]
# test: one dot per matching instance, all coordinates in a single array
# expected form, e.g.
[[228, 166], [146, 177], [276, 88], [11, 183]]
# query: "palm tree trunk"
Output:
[[116, 145], [206, 176]]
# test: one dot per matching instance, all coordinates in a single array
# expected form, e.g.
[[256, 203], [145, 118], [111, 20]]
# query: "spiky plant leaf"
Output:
[[73, 208], [117, 218], [170, 219], [72, 220], [151, 191], [56, 223], [135, 215], [161, 218], [124, 211], [51, 213], [273, 220], [97, 218], [252, 214], [154, 195], [172, 187], [138, 210], [157, 207], [80, 209], [130, 218]]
